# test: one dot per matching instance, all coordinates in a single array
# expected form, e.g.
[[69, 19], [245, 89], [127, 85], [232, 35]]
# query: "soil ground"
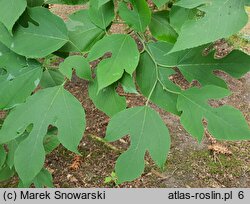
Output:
[[189, 163]]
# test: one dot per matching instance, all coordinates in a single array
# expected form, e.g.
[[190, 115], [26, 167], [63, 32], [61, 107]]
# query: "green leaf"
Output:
[[194, 66], [193, 3], [2, 155], [51, 77], [107, 99], [83, 34], [154, 83], [147, 132], [79, 63], [13, 145], [212, 26], [43, 179], [21, 185], [103, 15], [21, 77], [202, 68], [128, 84], [139, 17], [46, 35], [160, 3], [108, 179], [113, 175], [51, 140], [102, 2], [51, 106], [34, 3], [10, 11], [178, 16], [6, 173], [125, 57], [160, 27], [224, 123]]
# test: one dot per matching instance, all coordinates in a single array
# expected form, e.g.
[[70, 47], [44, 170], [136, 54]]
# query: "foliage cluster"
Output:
[[42, 114]]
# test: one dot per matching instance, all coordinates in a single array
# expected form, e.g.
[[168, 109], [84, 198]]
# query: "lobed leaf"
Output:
[[44, 35], [213, 25], [224, 123], [125, 57], [83, 34], [195, 66], [79, 63], [51, 106], [19, 78], [138, 17], [147, 132], [10, 11], [101, 15]]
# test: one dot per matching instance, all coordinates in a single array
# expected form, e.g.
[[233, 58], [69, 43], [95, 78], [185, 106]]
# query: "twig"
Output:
[[101, 140]]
